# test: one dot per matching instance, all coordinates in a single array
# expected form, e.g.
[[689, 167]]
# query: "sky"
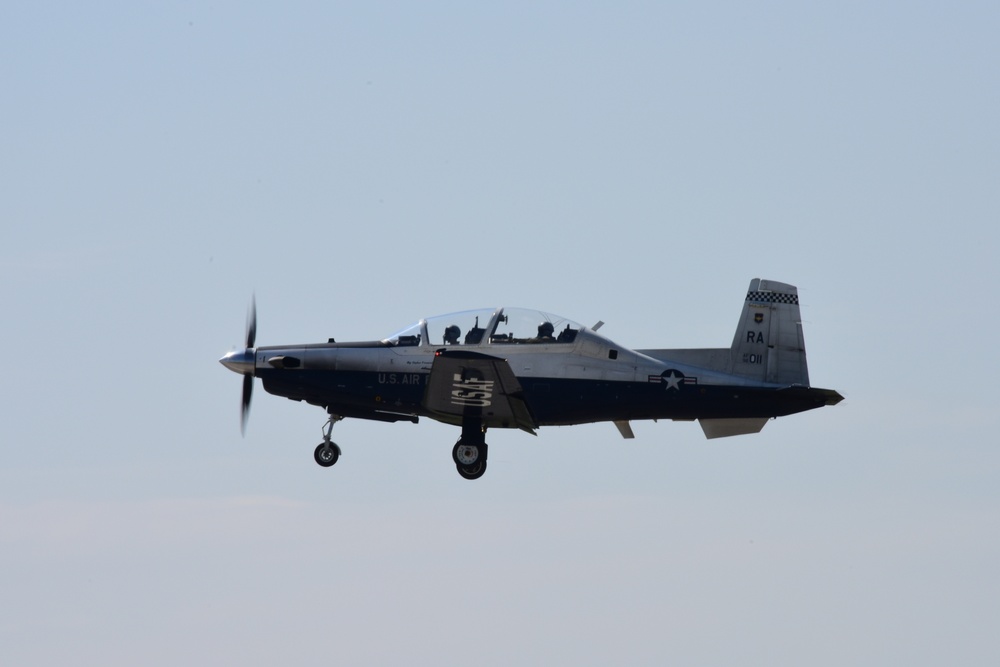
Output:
[[358, 166]]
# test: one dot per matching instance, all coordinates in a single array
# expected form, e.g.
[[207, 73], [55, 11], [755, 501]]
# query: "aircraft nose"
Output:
[[239, 361]]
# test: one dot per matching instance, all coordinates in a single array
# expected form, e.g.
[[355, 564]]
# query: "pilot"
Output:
[[545, 331], [451, 335]]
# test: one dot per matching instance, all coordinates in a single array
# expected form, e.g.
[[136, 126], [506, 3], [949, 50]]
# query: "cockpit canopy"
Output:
[[500, 326]]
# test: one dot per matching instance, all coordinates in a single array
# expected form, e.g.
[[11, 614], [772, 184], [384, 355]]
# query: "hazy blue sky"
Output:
[[361, 165]]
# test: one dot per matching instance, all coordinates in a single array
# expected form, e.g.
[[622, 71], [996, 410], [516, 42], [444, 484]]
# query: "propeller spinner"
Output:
[[242, 362]]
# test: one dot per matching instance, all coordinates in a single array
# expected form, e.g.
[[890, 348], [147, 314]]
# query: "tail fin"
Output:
[[769, 346]]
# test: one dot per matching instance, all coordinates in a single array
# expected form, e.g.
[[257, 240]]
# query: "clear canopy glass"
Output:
[[500, 326]]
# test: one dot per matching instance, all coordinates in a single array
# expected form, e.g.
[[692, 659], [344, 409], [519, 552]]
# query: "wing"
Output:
[[469, 385]]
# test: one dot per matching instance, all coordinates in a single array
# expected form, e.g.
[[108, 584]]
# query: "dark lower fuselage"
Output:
[[553, 401]]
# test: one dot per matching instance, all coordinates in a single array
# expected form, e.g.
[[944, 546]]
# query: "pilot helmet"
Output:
[[451, 334], [545, 330]]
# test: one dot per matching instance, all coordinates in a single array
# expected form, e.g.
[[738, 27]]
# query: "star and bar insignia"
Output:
[[673, 379]]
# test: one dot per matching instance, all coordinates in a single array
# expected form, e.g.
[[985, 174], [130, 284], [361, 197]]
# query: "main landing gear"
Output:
[[470, 452], [327, 452]]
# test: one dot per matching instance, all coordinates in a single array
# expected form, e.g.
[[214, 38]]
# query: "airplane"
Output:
[[524, 369]]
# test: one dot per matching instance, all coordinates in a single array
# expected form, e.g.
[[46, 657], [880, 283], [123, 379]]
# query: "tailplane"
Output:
[[769, 345], [768, 349]]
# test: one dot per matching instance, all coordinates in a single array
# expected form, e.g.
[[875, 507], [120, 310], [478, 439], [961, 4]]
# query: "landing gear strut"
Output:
[[470, 452], [327, 452]]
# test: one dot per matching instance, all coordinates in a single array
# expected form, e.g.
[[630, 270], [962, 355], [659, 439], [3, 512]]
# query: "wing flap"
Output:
[[469, 385]]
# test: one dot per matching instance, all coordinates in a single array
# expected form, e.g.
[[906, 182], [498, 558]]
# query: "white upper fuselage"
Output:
[[572, 351]]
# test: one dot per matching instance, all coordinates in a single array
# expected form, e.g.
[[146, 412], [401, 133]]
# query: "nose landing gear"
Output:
[[328, 452]]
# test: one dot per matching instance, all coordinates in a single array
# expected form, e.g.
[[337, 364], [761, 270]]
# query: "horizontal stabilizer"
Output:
[[723, 428]]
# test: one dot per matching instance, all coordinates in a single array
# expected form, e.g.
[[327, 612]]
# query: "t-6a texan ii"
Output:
[[520, 368]]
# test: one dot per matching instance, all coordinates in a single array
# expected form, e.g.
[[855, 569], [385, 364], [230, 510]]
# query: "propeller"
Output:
[[248, 379], [245, 407], [242, 362], [252, 321]]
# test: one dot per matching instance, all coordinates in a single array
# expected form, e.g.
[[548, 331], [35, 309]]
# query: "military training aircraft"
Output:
[[519, 368]]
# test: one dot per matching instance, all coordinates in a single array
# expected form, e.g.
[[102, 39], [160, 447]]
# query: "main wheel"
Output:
[[327, 454], [466, 454], [475, 471]]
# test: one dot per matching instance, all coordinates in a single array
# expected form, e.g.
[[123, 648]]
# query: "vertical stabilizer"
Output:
[[768, 345]]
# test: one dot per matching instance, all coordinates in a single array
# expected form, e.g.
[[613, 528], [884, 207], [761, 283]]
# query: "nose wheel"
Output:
[[328, 452]]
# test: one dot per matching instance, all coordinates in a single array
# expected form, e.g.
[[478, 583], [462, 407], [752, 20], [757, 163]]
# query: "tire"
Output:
[[326, 455], [474, 471]]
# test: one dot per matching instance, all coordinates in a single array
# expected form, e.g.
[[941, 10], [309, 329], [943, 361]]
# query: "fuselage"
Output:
[[520, 368], [585, 378]]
